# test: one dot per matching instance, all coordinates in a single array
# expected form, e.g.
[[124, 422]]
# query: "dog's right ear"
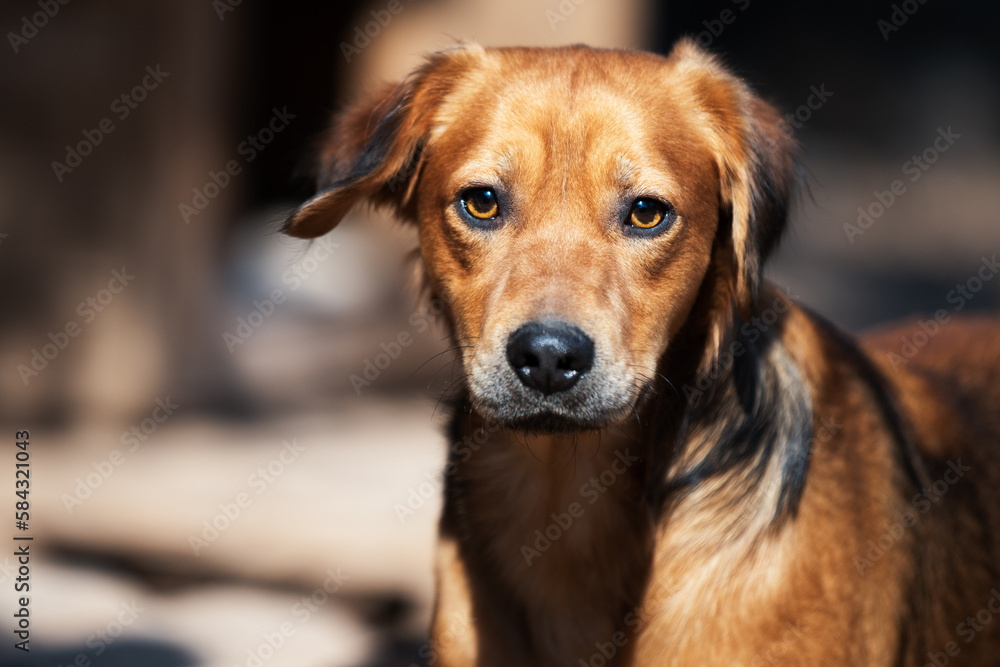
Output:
[[373, 151]]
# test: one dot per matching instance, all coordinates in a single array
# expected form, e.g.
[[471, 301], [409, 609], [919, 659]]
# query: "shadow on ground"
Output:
[[126, 653]]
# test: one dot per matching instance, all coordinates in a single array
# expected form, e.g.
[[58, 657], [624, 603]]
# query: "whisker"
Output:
[[433, 357], [638, 421], [658, 374], [527, 446], [447, 393], [443, 366], [571, 454]]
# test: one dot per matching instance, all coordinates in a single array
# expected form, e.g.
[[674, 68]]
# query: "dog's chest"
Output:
[[561, 528]]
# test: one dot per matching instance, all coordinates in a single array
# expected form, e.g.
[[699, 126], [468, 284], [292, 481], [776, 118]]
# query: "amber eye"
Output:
[[481, 203], [647, 213]]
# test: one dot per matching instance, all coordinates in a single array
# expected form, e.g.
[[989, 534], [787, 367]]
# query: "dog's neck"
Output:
[[544, 513]]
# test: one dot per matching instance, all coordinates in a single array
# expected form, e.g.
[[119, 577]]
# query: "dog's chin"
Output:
[[541, 421]]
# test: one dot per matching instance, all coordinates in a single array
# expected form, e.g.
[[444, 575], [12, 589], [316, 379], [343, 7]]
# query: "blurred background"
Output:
[[233, 460]]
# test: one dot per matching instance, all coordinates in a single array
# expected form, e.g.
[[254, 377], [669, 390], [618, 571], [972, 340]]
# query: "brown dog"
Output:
[[658, 459]]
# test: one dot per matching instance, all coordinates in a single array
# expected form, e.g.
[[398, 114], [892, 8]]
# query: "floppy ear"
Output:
[[373, 151], [755, 157]]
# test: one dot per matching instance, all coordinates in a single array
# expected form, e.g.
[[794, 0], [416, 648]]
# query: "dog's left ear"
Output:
[[755, 156], [373, 150]]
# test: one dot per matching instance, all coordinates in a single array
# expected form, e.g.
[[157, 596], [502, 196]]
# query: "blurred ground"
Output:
[[284, 512], [313, 551]]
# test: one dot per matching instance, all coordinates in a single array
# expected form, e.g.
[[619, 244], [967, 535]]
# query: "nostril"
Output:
[[531, 360], [571, 362], [550, 357]]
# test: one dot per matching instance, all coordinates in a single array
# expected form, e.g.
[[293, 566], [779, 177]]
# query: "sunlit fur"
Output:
[[731, 455]]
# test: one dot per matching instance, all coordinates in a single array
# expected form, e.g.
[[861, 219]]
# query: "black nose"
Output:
[[550, 357]]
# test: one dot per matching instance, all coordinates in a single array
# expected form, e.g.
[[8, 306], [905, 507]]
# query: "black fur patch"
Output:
[[757, 407]]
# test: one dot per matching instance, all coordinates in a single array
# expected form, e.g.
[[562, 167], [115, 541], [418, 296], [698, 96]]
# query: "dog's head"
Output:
[[571, 203]]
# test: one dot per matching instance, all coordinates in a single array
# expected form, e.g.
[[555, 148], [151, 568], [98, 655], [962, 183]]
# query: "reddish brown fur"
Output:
[[722, 572]]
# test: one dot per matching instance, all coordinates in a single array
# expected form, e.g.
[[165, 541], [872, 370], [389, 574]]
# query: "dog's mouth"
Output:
[[551, 379], [554, 423], [522, 411]]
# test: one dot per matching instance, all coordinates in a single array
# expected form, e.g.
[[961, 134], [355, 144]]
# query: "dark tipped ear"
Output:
[[373, 150], [364, 154], [760, 191], [755, 156]]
